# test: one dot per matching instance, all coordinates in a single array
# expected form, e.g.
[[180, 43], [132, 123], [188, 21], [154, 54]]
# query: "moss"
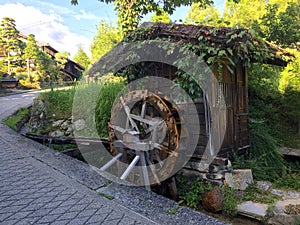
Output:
[[15, 121]]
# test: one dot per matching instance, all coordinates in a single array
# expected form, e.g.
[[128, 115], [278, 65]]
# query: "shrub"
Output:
[[193, 195], [230, 202], [111, 86], [27, 84]]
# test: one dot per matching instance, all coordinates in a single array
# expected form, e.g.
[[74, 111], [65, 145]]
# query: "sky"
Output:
[[64, 26]]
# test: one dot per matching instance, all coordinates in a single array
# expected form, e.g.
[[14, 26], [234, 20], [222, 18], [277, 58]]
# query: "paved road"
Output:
[[31, 192], [10, 103], [41, 186]]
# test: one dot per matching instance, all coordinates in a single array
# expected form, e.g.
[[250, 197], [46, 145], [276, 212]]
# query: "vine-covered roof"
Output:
[[213, 41]]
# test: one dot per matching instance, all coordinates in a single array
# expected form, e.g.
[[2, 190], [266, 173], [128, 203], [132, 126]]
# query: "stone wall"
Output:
[[44, 124]]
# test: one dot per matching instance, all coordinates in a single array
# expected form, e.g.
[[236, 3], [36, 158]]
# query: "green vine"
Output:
[[217, 47]]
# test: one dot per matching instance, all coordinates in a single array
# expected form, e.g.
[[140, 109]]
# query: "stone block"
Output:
[[287, 206], [253, 209], [79, 124], [278, 192], [239, 179], [264, 185], [282, 219]]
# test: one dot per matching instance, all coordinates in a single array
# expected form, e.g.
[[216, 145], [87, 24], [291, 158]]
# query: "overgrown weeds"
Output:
[[193, 192], [190, 194], [290, 179], [265, 161], [252, 193], [230, 202], [58, 102], [111, 86]]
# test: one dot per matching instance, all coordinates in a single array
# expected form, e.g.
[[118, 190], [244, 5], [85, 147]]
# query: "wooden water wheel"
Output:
[[144, 133]]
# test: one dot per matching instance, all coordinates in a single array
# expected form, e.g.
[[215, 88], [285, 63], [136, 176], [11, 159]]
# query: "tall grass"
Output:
[[91, 101], [58, 102], [107, 97], [266, 161]]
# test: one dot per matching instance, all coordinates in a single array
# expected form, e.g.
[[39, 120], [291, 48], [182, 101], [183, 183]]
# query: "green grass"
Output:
[[290, 179], [58, 102], [13, 120], [252, 193], [106, 196], [89, 101]]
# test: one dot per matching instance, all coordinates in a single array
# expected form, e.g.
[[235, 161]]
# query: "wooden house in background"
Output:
[[72, 70]]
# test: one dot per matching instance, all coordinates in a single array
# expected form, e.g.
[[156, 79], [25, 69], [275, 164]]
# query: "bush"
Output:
[[193, 194], [111, 86], [30, 84]]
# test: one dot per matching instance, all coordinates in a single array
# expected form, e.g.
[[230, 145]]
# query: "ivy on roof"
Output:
[[213, 43]]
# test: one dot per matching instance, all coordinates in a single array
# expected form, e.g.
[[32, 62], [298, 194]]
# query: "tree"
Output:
[[61, 59], [283, 27], [82, 58], [10, 45], [247, 14], [130, 12], [46, 67], [160, 16], [208, 16], [31, 52], [244, 13], [106, 38], [289, 86]]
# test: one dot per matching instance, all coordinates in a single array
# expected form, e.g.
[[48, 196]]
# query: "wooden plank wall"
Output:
[[235, 90]]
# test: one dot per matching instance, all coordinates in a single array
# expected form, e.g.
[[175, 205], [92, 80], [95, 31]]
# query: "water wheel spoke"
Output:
[[144, 169], [127, 111], [130, 167], [153, 170], [143, 120], [143, 111], [154, 126], [119, 129], [111, 162]]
